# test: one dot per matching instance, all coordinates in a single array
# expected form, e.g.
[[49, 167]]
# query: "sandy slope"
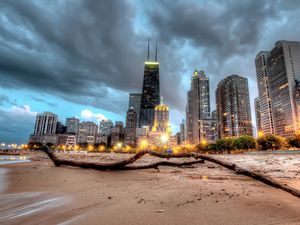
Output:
[[43, 194]]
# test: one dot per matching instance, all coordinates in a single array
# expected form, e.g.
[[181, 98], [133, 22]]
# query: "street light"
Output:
[[119, 145], [260, 134]]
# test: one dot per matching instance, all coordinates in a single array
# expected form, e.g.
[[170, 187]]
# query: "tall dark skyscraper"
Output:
[[150, 93]]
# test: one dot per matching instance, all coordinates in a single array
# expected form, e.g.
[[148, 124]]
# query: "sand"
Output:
[[40, 193]]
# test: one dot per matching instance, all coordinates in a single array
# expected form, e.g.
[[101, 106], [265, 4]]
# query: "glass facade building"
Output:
[[233, 107]]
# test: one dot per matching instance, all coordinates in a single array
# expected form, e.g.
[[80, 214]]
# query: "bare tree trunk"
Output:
[[199, 158]]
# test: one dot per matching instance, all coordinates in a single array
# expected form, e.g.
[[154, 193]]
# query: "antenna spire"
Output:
[[156, 51], [148, 49]]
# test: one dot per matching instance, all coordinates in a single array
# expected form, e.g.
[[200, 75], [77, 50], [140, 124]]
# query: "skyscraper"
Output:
[[198, 106], [233, 107], [264, 93], [45, 123], [161, 120], [135, 101], [130, 130], [72, 125], [283, 73], [278, 74], [150, 93], [161, 128], [257, 115]]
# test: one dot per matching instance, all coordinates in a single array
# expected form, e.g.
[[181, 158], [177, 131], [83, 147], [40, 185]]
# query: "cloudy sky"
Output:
[[82, 57]]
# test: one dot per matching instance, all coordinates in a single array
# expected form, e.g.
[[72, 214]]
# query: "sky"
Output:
[[83, 57]]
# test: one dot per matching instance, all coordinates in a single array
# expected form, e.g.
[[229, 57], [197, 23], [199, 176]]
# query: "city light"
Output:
[[260, 134], [203, 142], [164, 138], [119, 145], [90, 147], [144, 143], [101, 148]]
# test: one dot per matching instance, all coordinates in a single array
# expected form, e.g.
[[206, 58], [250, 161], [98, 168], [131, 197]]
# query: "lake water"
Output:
[[11, 159]]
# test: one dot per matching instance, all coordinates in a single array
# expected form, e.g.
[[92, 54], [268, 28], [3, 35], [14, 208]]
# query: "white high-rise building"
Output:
[[45, 123]]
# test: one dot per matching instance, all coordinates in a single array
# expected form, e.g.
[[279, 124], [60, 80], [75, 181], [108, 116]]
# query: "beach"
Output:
[[37, 192]]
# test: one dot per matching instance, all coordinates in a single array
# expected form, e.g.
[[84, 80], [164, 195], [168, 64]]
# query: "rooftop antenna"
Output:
[[148, 49], [156, 51], [161, 100]]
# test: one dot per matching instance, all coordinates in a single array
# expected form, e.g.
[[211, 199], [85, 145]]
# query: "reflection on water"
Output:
[[10, 159], [18, 205]]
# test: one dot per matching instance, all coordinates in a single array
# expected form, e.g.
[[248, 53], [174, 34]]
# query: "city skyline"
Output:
[[43, 71]]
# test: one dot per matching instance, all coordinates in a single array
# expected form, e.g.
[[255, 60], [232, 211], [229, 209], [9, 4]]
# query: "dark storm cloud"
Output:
[[92, 52], [16, 124], [79, 50]]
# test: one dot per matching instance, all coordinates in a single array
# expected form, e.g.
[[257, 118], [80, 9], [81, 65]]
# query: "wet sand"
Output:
[[40, 193]]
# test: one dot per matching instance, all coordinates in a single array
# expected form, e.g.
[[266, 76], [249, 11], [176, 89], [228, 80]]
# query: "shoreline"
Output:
[[204, 194]]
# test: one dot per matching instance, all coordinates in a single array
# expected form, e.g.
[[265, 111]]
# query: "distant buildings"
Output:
[[117, 133], [135, 101], [161, 128], [198, 106], [131, 124], [150, 92], [105, 127], [87, 132], [279, 70], [45, 123], [182, 133], [72, 125], [233, 107], [60, 128], [161, 119]]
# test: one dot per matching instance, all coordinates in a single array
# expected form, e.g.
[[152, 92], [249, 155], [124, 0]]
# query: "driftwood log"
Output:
[[199, 158]]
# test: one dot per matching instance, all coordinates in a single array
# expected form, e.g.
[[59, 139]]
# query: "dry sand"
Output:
[[40, 193]]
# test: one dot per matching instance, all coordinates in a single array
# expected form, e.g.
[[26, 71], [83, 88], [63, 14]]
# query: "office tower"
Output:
[[233, 107], [72, 125], [45, 123], [257, 115], [283, 72], [130, 130], [150, 93], [264, 93], [182, 132], [135, 101], [161, 120], [105, 127], [87, 132], [198, 106], [117, 133]]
